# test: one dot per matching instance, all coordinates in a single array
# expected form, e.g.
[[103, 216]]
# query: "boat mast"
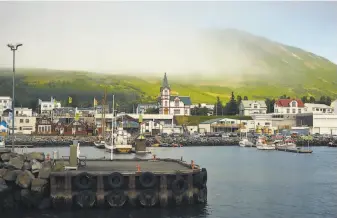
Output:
[[112, 127], [103, 114]]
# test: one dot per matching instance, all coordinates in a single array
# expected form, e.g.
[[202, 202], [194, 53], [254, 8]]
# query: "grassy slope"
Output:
[[272, 70]]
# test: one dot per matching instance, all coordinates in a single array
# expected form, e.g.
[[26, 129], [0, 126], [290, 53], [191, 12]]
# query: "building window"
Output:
[[294, 111], [293, 104], [185, 111], [5, 101], [176, 111], [27, 120], [255, 105], [288, 111], [165, 103], [299, 111], [267, 124], [79, 129], [176, 103], [165, 92], [21, 120]]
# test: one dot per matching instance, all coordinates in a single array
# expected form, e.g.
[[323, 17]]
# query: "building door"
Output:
[[166, 111]]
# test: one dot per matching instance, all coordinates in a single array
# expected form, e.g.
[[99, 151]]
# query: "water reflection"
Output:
[[189, 211]]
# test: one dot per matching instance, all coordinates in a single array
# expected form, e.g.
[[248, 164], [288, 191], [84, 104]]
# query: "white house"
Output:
[[5, 103], [230, 125], [248, 107], [23, 112], [46, 107], [289, 106], [173, 104], [24, 121], [317, 108], [141, 108]]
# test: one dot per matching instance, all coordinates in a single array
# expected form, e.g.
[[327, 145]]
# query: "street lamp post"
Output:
[[13, 49]]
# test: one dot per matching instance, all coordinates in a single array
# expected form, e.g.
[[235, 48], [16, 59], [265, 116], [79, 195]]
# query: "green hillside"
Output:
[[246, 64]]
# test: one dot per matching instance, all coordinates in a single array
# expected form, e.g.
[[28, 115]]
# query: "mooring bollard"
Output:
[[192, 164], [154, 157], [138, 168]]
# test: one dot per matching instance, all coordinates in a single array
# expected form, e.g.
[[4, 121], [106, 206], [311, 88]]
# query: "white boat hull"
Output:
[[99, 144], [265, 147], [246, 143]]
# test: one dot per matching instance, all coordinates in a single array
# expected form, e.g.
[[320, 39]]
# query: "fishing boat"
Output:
[[261, 144], [100, 144], [119, 141], [288, 143], [245, 143]]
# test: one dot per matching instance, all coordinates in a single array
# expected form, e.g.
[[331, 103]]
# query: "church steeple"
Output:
[[165, 83]]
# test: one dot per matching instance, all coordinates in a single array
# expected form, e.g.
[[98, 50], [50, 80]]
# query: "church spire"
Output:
[[165, 83]]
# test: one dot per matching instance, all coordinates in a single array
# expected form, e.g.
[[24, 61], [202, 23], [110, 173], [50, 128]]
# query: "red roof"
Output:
[[286, 102]]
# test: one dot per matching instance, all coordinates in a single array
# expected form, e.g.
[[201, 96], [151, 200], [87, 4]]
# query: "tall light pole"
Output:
[[13, 49]]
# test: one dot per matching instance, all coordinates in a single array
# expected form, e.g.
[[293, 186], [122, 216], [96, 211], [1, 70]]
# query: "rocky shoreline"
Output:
[[62, 141], [24, 181], [51, 141]]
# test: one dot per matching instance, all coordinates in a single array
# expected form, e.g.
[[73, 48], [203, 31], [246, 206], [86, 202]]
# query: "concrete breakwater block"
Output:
[[20, 184], [43, 184]]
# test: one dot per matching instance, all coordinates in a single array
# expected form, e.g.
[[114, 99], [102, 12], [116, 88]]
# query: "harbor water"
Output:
[[242, 182]]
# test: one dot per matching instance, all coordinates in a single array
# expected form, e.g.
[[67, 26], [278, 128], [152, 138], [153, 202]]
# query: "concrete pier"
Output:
[[36, 181]]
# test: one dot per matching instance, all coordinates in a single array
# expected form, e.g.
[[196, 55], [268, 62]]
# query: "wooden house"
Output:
[[44, 125]]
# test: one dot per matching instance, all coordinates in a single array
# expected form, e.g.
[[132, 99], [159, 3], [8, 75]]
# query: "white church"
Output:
[[173, 104]]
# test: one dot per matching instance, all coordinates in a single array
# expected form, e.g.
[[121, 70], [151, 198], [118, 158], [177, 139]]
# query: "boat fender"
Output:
[[147, 180], [83, 180], [179, 186], [198, 179], [204, 172], [202, 195], [148, 198], [116, 198], [86, 199], [116, 180]]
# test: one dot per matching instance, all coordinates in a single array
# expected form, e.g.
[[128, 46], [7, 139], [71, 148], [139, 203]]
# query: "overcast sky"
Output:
[[151, 36]]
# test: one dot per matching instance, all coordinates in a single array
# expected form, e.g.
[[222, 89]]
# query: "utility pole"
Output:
[[13, 49]]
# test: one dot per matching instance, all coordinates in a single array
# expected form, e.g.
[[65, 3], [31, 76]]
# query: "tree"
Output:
[[199, 111], [33, 104], [284, 97], [328, 100], [304, 99], [218, 108], [312, 99], [322, 100], [245, 98], [232, 107], [152, 111], [270, 105], [238, 99]]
